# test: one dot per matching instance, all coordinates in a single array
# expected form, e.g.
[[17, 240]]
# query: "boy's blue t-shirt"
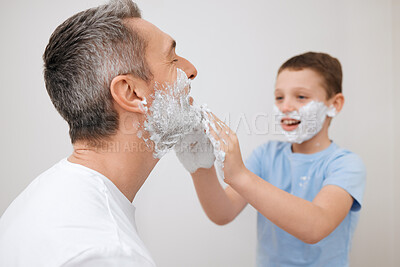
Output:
[[304, 175]]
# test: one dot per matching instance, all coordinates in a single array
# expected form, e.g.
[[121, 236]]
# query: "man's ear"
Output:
[[128, 91], [338, 102]]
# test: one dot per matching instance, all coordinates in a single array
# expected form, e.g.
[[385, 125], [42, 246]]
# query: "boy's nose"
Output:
[[287, 107]]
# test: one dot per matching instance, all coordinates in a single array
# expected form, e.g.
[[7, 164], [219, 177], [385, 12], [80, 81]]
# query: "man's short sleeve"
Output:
[[348, 172]]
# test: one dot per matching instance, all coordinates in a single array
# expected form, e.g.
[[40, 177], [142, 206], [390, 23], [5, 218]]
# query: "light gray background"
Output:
[[237, 47]]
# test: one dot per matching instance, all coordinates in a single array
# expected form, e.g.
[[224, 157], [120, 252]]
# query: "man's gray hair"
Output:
[[82, 57]]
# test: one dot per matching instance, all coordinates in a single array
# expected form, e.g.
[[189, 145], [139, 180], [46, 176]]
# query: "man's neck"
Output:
[[126, 162]]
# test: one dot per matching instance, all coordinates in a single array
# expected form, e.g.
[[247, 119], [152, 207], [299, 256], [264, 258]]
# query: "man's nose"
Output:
[[188, 68]]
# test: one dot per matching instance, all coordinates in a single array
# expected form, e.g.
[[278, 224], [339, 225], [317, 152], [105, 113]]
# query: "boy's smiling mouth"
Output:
[[289, 124]]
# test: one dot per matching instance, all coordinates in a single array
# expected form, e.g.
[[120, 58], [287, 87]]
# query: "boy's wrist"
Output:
[[238, 178]]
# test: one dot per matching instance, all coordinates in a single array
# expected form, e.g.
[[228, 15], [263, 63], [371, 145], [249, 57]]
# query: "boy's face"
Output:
[[296, 88]]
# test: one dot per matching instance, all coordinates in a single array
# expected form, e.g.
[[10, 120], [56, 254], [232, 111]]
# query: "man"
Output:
[[100, 67]]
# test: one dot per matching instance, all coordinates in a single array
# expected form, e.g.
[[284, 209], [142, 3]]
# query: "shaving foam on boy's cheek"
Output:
[[332, 112], [311, 116]]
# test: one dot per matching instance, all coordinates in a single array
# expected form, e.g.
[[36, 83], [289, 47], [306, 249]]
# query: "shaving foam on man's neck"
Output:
[[311, 116]]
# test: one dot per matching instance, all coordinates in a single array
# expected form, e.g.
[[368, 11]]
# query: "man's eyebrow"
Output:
[[171, 47]]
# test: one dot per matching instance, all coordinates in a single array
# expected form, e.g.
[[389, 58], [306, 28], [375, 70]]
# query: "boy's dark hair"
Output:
[[325, 65]]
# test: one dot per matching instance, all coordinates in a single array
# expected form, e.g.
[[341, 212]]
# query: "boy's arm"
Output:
[[221, 205], [308, 221]]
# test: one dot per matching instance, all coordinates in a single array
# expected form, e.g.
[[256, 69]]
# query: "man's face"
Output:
[[160, 54], [170, 114]]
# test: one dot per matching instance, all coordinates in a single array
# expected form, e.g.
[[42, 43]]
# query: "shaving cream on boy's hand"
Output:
[[195, 151], [174, 121]]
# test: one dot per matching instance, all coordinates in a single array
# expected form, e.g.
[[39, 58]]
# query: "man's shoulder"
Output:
[[63, 185], [112, 255], [61, 211], [56, 198]]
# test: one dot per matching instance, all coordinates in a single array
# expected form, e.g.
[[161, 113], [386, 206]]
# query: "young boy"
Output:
[[307, 191]]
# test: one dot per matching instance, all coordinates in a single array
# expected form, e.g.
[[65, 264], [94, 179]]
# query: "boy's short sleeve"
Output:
[[253, 162], [348, 172]]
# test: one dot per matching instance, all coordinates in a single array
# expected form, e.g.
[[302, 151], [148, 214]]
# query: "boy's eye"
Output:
[[277, 98], [302, 97]]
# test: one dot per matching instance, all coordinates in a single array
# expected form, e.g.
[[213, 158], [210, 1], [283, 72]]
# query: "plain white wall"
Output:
[[396, 97], [237, 47]]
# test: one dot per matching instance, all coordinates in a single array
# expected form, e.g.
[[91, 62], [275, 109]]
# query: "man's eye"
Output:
[[175, 60]]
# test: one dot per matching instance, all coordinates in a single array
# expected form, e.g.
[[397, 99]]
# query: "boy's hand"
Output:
[[195, 151], [228, 143]]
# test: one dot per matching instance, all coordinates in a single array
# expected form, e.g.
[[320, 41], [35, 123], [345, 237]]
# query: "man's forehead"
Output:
[[152, 33], [141, 25]]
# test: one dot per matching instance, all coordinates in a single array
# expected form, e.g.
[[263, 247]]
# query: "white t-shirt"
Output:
[[68, 216]]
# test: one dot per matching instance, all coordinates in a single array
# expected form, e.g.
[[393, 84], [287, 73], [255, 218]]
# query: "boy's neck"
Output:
[[316, 144]]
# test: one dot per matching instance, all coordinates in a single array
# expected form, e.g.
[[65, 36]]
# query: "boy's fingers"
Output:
[[213, 131], [216, 128], [226, 130], [223, 144], [221, 132]]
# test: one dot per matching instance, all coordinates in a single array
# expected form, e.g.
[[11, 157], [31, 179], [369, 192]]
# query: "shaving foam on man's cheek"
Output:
[[143, 104], [311, 116], [170, 116], [170, 120]]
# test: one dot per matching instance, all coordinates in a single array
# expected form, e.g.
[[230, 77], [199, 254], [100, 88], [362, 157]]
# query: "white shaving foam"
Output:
[[172, 122], [144, 103], [170, 116], [218, 152], [312, 117], [195, 150]]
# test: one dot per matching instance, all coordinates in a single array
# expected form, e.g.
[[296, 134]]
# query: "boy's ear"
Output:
[[338, 102], [128, 92]]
